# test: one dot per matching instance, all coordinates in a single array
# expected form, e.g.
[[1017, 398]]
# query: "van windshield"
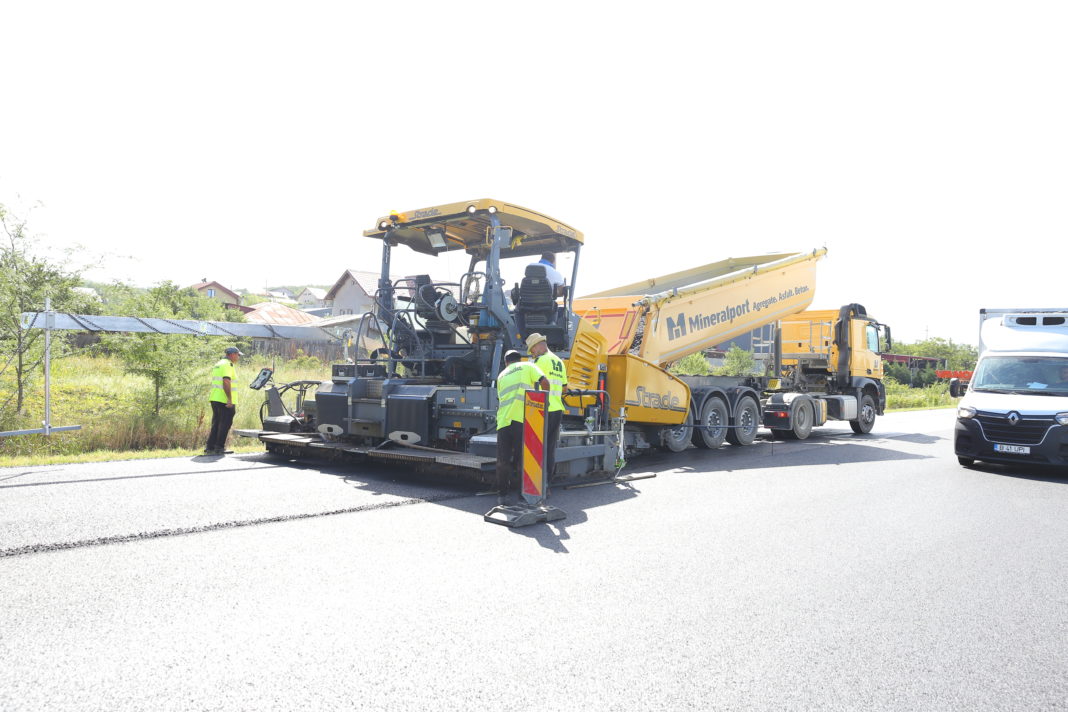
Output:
[[1022, 374]]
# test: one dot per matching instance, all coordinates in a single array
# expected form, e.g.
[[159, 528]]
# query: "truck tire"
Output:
[[713, 424], [802, 422], [677, 438], [865, 416], [746, 422]]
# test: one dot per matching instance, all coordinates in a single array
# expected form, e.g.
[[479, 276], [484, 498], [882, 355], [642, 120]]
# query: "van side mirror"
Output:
[[957, 388]]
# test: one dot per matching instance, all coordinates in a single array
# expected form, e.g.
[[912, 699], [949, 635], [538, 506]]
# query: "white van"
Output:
[[1016, 407]]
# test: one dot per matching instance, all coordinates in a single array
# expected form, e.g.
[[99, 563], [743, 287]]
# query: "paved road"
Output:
[[840, 572]]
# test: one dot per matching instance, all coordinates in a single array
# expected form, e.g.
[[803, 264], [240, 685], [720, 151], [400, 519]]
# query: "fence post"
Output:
[[50, 321]]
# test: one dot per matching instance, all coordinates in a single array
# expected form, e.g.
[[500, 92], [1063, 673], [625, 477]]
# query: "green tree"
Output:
[[26, 279], [959, 357], [692, 365], [737, 362], [176, 364], [899, 372]]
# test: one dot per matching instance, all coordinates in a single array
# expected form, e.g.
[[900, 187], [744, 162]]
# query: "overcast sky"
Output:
[[925, 144]]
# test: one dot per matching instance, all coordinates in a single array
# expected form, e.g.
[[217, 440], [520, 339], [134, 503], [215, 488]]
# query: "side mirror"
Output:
[[957, 387], [889, 341]]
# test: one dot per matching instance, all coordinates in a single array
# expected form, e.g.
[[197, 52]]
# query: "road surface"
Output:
[[841, 572]]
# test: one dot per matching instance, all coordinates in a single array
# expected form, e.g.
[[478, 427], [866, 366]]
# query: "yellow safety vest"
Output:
[[512, 385], [223, 369], [553, 368]]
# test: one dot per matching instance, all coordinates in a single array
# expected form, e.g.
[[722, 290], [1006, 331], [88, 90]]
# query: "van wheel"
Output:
[[966, 461], [677, 438], [866, 417], [802, 422], [713, 424], [746, 422]]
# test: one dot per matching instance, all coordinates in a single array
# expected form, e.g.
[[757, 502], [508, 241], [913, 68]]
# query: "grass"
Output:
[[239, 446], [115, 411], [901, 397]]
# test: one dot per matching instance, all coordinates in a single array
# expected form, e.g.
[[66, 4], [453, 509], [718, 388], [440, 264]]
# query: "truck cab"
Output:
[[1016, 407]]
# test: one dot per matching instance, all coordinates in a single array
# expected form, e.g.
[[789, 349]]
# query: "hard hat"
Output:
[[534, 339], [233, 350]]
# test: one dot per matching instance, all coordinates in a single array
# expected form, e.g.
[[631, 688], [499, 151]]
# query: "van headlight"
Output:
[[1061, 418], [965, 412]]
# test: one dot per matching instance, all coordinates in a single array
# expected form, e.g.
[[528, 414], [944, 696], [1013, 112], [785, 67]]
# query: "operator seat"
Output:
[[426, 294], [536, 309]]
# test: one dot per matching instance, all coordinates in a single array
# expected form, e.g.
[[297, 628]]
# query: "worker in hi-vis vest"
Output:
[[555, 371], [223, 374], [513, 382]]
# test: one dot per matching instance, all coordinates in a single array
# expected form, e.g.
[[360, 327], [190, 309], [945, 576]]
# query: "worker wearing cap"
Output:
[[513, 382], [556, 373], [223, 375]]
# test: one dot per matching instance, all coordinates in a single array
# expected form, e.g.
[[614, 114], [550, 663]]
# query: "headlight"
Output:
[[1061, 418], [965, 412]]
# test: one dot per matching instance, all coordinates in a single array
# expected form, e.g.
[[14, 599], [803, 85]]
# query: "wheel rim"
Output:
[[867, 414], [714, 425], [748, 420]]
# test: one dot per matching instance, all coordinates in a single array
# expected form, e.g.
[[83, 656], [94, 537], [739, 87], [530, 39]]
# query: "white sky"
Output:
[[925, 144]]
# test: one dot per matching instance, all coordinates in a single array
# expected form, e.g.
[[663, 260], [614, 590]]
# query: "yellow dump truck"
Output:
[[420, 389], [821, 365]]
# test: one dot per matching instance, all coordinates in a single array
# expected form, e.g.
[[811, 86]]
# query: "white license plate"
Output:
[[1012, 449]]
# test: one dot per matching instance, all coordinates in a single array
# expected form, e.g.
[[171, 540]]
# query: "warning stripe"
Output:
[[533, 450]]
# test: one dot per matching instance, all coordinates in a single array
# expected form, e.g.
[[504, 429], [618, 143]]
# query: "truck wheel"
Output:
[[713, 422], [677, 438], [866, 418], [966, 461], [746, 422], [802, 422]]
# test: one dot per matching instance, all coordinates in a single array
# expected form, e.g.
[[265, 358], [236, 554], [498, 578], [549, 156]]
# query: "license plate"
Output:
[[1012, 449]]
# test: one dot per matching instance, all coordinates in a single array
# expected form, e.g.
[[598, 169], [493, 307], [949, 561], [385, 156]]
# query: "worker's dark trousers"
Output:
[[552, 438], [221, 420], [509, 457]]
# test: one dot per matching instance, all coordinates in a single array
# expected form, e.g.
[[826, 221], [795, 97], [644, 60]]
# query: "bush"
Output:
[[900, 396]]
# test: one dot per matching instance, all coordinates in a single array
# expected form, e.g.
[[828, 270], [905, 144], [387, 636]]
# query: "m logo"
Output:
[[676, 327]]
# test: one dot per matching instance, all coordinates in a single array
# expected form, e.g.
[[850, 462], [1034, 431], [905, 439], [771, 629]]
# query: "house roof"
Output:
[[316, 292], [279, 314], [204, 285], [368, 282]]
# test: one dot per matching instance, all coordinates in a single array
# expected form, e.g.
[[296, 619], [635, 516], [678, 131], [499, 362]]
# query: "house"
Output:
[[353, 293], [283, 293], [278, 314], [280, 295], [214, 290], [311, 298]]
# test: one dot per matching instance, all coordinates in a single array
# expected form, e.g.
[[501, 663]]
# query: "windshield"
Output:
[[1022, 374]]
